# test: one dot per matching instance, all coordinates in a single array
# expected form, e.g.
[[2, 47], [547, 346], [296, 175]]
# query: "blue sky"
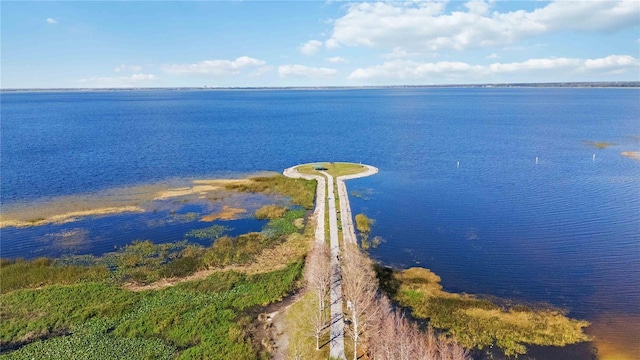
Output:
[[311, 43]]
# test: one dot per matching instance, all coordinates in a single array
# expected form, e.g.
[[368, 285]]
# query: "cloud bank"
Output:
[[219, 68]]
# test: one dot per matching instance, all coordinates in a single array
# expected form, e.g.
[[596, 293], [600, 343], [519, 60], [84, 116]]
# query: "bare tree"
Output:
[[360, 287], [398, 338], [318, 276]]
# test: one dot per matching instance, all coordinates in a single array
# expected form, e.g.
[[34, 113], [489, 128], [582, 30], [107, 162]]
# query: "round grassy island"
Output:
[[334, 169]]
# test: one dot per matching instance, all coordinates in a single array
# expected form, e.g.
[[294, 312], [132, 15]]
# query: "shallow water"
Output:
[[496, 190]]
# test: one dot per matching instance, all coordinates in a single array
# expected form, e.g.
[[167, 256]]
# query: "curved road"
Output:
[[318, 212], [336, 342]]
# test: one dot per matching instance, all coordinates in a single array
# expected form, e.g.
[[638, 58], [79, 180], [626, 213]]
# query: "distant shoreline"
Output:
[[604, 84]]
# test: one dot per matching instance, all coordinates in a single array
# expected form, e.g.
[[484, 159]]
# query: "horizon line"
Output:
[[631, 83]]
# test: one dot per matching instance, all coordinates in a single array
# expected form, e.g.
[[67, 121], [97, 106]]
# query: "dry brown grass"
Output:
[[227, 213], [270, 212]]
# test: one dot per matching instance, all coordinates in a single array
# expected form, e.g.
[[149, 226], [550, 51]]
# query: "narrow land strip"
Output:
[[348, 231], [336, 344], [336, 337]]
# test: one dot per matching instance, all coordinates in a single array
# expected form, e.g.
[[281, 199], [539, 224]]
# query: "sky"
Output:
[[108, 44]]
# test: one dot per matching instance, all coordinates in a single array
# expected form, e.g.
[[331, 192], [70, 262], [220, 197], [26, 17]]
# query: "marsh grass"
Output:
[[269, 212], [302, 192], [22, 274], [479, 323], [78, 307]]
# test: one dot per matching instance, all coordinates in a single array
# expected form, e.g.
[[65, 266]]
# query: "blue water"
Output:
[[565, 230]]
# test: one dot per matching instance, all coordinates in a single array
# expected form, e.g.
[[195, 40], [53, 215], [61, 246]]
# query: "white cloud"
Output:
[[133, 80], [337, 60], [332, 44], [310, 47], [401, 53], [477, 7], [305, 71], [612, 62], [218, 67], [493, 56], [129, 68], [427, 26], [547, 69], [51, 21]]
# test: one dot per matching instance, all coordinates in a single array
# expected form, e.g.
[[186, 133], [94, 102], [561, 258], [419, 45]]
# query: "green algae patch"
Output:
[[480, 323]]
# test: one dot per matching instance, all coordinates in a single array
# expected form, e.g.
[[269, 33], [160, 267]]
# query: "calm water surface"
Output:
[[459, 190]]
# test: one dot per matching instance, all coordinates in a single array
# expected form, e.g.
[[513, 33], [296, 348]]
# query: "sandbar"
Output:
[[631, 154], [69, 217]]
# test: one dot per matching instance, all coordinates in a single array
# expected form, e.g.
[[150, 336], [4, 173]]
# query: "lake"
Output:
[[520, 193]]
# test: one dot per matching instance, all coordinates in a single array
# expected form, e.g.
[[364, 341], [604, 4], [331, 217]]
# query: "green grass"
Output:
[[479, 323], [299, 329], [302, 192], [334, 169]]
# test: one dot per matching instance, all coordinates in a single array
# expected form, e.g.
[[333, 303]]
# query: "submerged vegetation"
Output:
[[479, 323], [600, 144]]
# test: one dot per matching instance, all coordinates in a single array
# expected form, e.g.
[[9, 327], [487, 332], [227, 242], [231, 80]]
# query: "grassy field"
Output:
[[335, 169]]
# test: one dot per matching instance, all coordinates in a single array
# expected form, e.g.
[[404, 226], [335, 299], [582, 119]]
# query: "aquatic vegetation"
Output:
[[284, 225], [479, 323], [227, 213], [21, 274], [363, 223], [270, 212], [302, 192], [209, 233], [600, 144], [202, 319]]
